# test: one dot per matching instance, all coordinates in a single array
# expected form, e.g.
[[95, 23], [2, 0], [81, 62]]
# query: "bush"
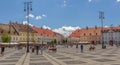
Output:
[[6, 38]]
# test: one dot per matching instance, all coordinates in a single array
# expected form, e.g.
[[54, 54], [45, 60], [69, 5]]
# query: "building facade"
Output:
[[26, 33], [9, 30], [46, 36], [111, 35], [88, 35]]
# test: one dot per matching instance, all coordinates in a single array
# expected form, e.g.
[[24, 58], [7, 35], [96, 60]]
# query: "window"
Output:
[[90, 34], [16, 38], [8, 32], [14, 32], [84, 34], [13, 38], [96, 33], [2, 31]]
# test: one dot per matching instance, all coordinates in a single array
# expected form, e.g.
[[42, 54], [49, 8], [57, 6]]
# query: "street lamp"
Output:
[[27, 9], [101, 16], [41, 44], [111, 34]]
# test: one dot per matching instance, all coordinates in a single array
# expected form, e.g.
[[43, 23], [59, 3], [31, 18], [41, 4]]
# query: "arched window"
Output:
[[84, 34], [90, 34]]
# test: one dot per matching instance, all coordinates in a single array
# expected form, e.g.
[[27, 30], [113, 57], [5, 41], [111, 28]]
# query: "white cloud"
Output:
[[106, 26], [64, 3], [46, 27], [43, 15], [118, 0], [89, 0], [25, 22], [66, 30], [38, 17], [31, 15]]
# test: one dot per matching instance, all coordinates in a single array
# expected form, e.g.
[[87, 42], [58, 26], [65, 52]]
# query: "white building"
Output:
[[112, 35]]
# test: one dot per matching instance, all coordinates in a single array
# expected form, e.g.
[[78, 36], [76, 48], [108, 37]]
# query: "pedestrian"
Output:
[[33, 49], [37, 49], [81, 48], [76, 45], [2, 50]]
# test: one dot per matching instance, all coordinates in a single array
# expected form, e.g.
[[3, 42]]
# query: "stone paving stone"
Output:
[[74, 62], [109, 55], [7, 64], [115, 64], [88, 57], [3, 61], [64, 58], [35, 59], [36, 56], [77, 54], [12, 58], [42, 63], [103, 60], [56, 55]]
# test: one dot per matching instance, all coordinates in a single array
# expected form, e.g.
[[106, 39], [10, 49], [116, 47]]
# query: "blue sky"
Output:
[[58, 13]]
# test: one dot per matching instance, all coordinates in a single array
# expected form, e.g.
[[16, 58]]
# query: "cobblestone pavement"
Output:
[[63, 56], [73, 56]]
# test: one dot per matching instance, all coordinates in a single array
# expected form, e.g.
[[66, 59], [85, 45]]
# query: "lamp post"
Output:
[[111, 34], [42, 46], [101, 17], [27, 9]]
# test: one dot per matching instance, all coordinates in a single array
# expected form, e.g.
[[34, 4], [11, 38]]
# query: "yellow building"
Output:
[[7, 29], [26, 33]]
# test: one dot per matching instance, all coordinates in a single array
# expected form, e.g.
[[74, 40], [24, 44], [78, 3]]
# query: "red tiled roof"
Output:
[[92, 31], [44, 32], [86, 32]]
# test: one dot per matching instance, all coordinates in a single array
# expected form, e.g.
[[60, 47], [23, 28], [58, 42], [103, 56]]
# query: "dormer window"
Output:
[[8, 32], [90, 34], [14, 32], [96, 33], [84, 34], [2, 31]]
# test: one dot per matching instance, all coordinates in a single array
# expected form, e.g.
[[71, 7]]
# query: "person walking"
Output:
[[33, 49], [81, 48], [2, 50], [37, 49]]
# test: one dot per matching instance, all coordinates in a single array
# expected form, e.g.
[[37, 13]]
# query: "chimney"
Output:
[[95, 27], [87, 27]]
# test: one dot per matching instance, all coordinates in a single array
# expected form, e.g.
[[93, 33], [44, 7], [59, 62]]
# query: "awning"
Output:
[[8, 43], [26, 42], [83, 42]]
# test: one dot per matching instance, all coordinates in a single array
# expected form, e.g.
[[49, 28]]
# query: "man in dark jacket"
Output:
[[2, 50], [81, 47]]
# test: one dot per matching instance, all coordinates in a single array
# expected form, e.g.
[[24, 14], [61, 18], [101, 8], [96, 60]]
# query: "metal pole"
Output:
[[42, 46], [112, 34], [27, 9], [101, 16]]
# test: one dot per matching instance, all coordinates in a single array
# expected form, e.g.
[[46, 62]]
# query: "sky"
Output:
[[62, 14]]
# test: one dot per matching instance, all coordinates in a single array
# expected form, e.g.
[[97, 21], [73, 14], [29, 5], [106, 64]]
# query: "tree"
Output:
[[64, 41], [53, 42], [6, 38]]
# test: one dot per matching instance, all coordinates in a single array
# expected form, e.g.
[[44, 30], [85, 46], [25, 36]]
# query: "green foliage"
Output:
[[53, 42], [6, 38], [64, 41]]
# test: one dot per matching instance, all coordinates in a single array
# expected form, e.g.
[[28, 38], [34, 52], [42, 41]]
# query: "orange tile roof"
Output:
[[44, 32], [86, 32], [116, 28], [92, 31]]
